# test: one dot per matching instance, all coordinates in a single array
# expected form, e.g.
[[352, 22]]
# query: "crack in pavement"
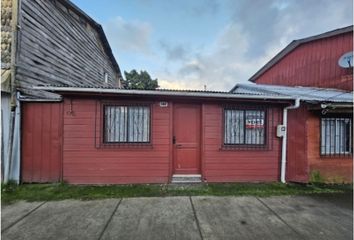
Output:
[[196, 218], [23, 217], [110, 219], [280, 218]]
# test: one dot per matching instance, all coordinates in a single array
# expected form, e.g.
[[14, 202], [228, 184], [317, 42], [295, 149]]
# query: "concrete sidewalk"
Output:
[[291, 217]]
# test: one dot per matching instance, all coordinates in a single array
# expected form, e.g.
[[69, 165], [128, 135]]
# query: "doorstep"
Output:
[[186, 178]]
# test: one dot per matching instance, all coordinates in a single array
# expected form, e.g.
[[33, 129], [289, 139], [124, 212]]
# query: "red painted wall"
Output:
[[86, 163], [332, 169], [313, 64], [238, 165], [41, 142], [297, 162]]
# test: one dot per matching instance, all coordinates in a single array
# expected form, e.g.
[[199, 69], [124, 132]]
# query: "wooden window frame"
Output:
[[100, 126]]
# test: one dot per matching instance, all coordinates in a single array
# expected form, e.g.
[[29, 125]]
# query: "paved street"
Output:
[[290, 217]]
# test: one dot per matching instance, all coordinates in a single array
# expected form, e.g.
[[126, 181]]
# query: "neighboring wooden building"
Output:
[[48, 42], [320, 143], [311, 62], [60, 45]]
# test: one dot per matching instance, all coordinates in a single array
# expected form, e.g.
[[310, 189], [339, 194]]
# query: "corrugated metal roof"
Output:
[[163, 92], [309, 94], [124, 88]]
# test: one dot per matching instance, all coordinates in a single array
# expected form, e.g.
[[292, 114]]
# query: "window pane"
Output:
[[234, 127], [255, 127], [244, 127], [127, 124], [336, 136]]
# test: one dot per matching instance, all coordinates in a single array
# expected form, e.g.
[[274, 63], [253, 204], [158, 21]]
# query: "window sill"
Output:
[[125, 146], [244, 148], [348, 156]]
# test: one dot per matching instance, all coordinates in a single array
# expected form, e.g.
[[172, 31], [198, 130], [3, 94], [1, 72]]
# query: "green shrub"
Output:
[[316, 177]]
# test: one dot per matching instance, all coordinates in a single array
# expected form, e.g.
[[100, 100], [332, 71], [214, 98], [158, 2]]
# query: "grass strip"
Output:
[[53, 192]]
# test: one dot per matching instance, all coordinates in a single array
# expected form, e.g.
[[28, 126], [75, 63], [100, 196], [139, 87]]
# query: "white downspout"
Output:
[[283, 151]]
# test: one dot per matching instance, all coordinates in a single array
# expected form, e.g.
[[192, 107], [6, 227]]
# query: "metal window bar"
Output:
[[127, 124], [244, 127], [336, 136]]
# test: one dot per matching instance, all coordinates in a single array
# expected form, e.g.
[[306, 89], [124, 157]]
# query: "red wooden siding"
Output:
[[82, 159], [313, 64], [86, 162], [238, 165], [332, 169], [41, 142], [297, 163]]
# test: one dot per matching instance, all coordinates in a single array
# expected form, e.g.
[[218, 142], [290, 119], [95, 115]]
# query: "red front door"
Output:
[[186, 128]]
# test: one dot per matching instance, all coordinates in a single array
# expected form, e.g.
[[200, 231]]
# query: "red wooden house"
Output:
[[110, 135], [320, 131]]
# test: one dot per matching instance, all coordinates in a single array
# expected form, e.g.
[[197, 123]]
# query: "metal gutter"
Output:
[[15, 26], [161, 93], [22, 98]]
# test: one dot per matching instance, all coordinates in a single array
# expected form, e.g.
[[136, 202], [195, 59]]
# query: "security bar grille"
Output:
[[336, 136], [126, 124], [244, 127]]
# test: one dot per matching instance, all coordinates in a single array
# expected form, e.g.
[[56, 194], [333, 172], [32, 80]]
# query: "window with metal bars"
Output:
[[244, 127], [336, 136], [126, 124]]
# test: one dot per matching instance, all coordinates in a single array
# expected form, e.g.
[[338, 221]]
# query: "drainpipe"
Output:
[[13, 101], [283, 152]]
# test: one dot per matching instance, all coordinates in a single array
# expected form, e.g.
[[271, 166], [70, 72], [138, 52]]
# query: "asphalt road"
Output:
[[290, 217]]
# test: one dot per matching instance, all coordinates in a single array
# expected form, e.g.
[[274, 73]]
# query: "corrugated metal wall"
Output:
[[42, 125], [314, 64]]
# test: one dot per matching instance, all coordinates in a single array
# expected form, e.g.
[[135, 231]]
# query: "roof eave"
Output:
[[163, 93]]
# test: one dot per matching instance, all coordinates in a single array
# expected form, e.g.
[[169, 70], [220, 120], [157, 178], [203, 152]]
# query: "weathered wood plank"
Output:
[[60, 49]]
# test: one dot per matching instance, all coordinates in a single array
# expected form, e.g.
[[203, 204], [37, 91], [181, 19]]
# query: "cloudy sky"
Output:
[[187, 44]]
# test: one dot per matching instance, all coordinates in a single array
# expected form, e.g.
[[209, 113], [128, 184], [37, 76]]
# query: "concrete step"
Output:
[[186, 178]]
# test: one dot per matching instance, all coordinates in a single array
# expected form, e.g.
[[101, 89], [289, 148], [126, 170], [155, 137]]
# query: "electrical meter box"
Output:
[[281, 130]]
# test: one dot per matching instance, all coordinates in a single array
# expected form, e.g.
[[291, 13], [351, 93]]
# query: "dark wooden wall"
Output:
[[60, 47], [313, 64]]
